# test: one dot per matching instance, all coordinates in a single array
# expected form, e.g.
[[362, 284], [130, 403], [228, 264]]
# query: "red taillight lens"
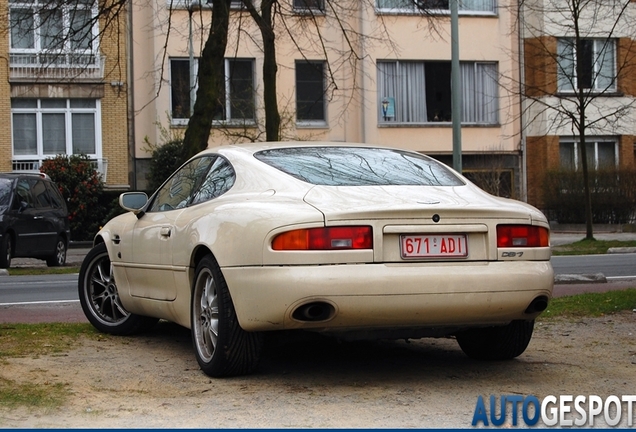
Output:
[[334, 238], [522, 236]]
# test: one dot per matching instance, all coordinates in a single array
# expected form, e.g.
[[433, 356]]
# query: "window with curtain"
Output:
[[413, 6], [598, 57], [44, 128], [64, 27], [239, 97], [420, 92], [601, 154]]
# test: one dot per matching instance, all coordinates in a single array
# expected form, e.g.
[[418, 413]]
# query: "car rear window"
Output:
[[359, 166]]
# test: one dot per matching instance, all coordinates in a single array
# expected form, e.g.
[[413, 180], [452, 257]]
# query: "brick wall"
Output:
[[115, 102], [540, 66], [542, 154]]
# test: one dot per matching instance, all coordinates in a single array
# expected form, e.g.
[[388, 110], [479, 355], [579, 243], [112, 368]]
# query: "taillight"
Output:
[[332, 238], [522, 236]]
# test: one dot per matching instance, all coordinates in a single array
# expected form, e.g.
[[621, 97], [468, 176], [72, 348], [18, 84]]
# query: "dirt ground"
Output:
[[153, 380]]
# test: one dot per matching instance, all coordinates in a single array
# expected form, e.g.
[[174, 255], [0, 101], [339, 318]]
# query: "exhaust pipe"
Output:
[[314, 312], [537, 305]]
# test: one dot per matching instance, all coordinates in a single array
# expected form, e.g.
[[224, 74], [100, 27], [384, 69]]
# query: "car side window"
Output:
[[42, 198], [23, 192], [219, 180], [56, 199], [6, 187], [177, 191]]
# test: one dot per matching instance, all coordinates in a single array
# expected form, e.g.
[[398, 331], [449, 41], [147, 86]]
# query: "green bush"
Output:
[[81, 186], [613, 196], [166, 158]]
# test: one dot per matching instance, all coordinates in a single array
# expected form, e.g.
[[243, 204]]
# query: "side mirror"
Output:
[[133, 201]]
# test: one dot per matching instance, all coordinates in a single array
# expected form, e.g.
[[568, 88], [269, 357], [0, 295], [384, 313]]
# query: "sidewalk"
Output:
[[561, 238], [74, 257]]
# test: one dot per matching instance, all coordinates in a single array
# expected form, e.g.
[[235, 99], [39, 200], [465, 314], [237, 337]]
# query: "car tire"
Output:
[[496, 343], [58, 259], [100, 299], [221, 346], [6, 251]]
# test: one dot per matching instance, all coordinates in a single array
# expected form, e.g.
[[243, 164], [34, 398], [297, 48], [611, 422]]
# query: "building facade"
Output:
[[64, 87], [580, 57], [371, 71]]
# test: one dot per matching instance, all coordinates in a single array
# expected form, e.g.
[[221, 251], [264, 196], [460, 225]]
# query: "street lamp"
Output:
[[456, 94]]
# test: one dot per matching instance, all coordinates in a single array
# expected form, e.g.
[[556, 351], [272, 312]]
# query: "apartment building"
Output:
[[571, 64], [371, 71], [64, 87]]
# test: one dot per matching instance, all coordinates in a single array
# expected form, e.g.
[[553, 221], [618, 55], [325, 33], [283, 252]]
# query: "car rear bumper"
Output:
[[385, 296]]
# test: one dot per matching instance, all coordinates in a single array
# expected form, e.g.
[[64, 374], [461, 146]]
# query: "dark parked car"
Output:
[[33, 219]]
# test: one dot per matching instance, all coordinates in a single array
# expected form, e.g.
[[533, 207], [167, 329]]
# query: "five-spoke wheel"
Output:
[[100, 299], [221, 346]]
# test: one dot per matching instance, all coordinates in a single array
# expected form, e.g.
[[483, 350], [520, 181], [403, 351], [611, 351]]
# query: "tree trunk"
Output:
[[582, 125], [211, 79], [264, 20]]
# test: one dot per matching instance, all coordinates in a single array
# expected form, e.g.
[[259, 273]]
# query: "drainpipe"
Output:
[[363, 123], [132, 150], [522, 77]]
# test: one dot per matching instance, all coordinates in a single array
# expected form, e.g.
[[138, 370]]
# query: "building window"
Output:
[[66, 32], [310, 92], [239, 89], [420, 92], [601, 154], [180, 88], [598, 69], [45, 128], [203, 4], [238, 100], [309, 6], [442, 6]]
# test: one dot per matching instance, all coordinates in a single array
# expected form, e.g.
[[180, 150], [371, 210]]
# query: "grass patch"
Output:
[[49, 395], [19, 340], [591, 304], [35, 271], [33, 340], [590, 247]]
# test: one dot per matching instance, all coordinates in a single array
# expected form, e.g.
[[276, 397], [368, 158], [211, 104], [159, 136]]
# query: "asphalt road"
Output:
[[49, 298]]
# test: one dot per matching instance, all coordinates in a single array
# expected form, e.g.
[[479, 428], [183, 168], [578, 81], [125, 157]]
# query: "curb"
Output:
[[580, 278], [620, 250]]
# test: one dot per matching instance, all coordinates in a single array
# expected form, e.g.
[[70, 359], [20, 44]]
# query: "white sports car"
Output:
[[347, 239]]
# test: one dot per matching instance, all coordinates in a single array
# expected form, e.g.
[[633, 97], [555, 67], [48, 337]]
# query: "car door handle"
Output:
[[116, 239], [165, 232], [38, 217]]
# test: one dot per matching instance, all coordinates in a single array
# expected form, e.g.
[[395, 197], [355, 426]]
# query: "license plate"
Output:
[[433, 246]]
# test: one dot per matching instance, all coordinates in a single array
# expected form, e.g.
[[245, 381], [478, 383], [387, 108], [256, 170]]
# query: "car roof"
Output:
[[256, 147], [14, 175]]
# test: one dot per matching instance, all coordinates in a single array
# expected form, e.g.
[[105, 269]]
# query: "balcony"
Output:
[[33, 166], [56, 67]]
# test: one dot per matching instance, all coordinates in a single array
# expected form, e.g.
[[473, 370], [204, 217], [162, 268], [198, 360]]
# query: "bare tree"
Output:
[[579, 57], [294, 20], [211, 80]]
